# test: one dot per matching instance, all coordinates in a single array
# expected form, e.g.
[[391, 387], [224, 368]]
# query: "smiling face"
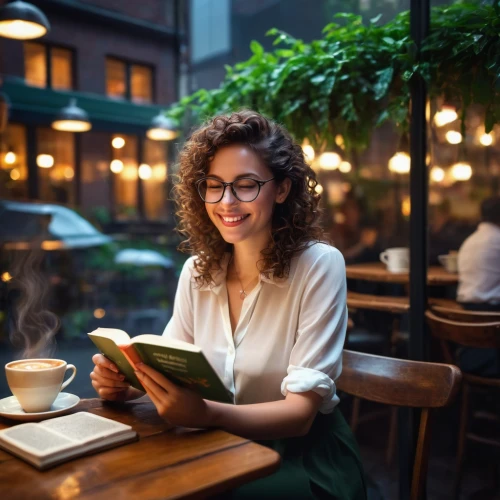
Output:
[[239, 221]]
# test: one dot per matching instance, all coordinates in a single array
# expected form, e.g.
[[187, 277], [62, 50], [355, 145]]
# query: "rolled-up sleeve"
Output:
[[316, 358], [180, 326]]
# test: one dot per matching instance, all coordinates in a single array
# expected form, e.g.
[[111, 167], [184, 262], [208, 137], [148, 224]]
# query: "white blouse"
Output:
[[289, 336]]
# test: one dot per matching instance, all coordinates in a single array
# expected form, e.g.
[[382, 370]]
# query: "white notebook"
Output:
[[57, 440]]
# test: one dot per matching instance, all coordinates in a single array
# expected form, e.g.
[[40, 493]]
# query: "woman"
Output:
[[266, 301]]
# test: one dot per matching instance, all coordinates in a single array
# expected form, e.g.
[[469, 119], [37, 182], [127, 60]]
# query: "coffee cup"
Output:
[[397, 260], [37, 382], [449, 262]]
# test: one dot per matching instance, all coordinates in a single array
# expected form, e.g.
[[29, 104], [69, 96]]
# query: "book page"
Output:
[[116, 335], [35, 439], [84, 427], [164, 341]]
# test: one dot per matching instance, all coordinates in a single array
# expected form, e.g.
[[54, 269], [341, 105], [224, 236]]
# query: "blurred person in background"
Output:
[[479, 283], [445, 232]]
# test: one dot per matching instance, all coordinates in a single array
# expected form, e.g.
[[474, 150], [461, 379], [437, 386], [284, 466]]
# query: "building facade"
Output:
[[120, 61]]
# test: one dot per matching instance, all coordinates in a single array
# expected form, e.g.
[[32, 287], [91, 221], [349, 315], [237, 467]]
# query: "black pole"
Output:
[[408, 419]]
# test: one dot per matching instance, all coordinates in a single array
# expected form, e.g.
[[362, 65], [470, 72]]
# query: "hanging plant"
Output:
[[356, 76]]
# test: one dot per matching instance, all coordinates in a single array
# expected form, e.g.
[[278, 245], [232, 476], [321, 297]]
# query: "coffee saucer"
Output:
[[10, 408]]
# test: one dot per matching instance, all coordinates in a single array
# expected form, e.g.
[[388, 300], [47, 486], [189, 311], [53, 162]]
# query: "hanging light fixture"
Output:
[[22, 21], [72, 119], [162, 129]]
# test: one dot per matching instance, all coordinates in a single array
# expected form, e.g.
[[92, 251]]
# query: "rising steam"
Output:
[[35, 326]]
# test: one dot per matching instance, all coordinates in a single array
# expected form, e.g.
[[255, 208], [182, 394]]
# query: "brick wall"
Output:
[[154, 11], [92, 44]]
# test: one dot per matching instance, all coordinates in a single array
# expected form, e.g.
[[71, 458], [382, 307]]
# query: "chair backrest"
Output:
[[466, 316], [470, 334], [399, 382]]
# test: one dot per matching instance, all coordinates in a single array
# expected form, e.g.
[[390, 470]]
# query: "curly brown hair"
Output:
[[295, 222]]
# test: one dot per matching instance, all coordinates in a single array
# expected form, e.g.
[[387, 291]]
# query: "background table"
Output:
[[175, 463], [375, 271]]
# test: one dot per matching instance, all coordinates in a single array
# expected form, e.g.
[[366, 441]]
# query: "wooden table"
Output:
[[375, 271], [175, 463]]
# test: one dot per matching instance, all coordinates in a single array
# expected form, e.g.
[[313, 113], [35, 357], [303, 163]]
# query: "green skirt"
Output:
[[324, 464]]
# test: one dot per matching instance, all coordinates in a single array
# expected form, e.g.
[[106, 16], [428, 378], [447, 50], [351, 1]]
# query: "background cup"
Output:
[[449, 262], [37, 389], [397, 260]]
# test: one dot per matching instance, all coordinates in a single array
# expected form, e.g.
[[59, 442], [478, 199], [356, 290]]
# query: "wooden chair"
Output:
[[468, 334], [465, 316], [404, 383]]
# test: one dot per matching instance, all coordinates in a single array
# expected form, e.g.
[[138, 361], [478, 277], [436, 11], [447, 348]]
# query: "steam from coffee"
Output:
[[35, 326]]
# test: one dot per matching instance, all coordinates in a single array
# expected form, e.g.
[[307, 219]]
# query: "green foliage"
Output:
[[357, 76]]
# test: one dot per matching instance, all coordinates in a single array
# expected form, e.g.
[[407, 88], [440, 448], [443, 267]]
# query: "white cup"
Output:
[[397, 260], [449, 262], [37, 382]]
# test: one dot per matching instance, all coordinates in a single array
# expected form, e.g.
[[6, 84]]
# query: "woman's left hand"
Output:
[[177, 405]]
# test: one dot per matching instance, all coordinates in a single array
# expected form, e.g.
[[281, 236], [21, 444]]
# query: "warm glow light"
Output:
[[15, 174], [118, 142], [346, 187], [308, 152], [10, 158], [160, 172], [329, 161], [485, 140], [21, 30], [69, 173], [5, 277], [437, 174], [345, 167], [45, 161], [406, 207], [116, 166], [453, 137], [318, 188], [71, 126], [445, 116], [339, 141], [400, 163], [161, 134], [99, 313], [461, 171], [145, 171]]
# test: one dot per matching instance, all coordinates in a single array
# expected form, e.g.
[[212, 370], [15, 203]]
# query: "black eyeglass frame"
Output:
[[226, 184]]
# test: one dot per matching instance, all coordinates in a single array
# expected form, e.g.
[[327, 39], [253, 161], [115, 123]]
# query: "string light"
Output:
[[45, 161], [330, 161], [461, 171], [400, 163], [453, 137], [116, 166], [445, 116], [345, 167], [437, 174], [118, 142], [145, 171]]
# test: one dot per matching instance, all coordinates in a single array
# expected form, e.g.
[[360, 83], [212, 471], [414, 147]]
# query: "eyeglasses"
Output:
[[245, 189]]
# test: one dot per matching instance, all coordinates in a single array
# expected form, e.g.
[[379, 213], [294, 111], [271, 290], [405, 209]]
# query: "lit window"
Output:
[[35, 64], [57, 75], [141, 84], [116, 79], [13, 163], [61, 69], [125, 80], [57, 181]]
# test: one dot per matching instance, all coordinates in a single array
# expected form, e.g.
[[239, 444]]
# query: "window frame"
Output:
[[48, 46], [128, 77]]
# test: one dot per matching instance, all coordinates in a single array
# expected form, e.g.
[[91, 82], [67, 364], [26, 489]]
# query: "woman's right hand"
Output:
[[109, 383]]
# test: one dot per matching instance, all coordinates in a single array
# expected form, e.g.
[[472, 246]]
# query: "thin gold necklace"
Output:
[[243, 293]]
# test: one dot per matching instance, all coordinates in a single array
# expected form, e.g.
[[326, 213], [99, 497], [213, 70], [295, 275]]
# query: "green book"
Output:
[[181, 362]]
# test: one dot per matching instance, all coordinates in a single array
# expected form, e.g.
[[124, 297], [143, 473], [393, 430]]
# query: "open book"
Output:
[[182, 363], [57, 440]]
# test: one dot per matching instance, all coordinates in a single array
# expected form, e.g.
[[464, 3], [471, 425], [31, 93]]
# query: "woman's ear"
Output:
[[283, 190]]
